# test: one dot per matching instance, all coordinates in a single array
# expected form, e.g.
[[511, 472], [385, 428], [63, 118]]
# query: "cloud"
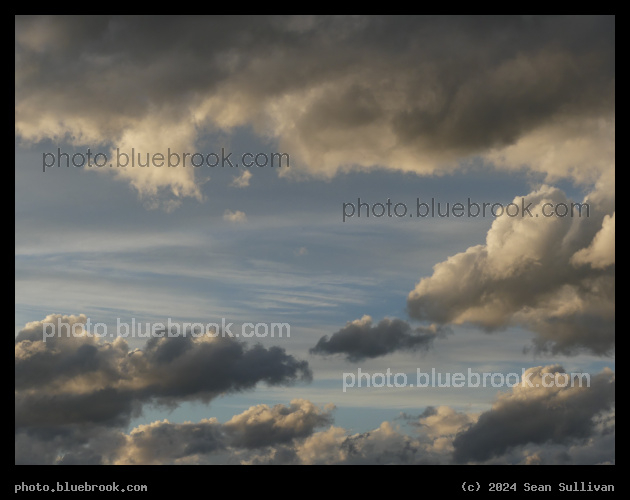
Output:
[[163, 442], [384, 445], [419, 94], [242, 180], [81, 380], [261, 425], [525, 274], [437, 427], [83, 445], [538, 414], [360, 339], [525, 425], [601, 252], [441, 424], [258, 427], [236, 216]]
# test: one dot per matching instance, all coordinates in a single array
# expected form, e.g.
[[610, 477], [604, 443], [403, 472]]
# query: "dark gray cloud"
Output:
[[67, 445], [163, 442], [360, 339], [79, 380], [537, 415], [413, 93]]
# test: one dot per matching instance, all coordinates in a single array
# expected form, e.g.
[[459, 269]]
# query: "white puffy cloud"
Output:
[[525, 274], [261, 425], [601, 252], [242, 180], [236, 216]]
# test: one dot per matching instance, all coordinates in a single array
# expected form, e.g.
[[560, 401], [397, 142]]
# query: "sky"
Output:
[[367, 109]]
